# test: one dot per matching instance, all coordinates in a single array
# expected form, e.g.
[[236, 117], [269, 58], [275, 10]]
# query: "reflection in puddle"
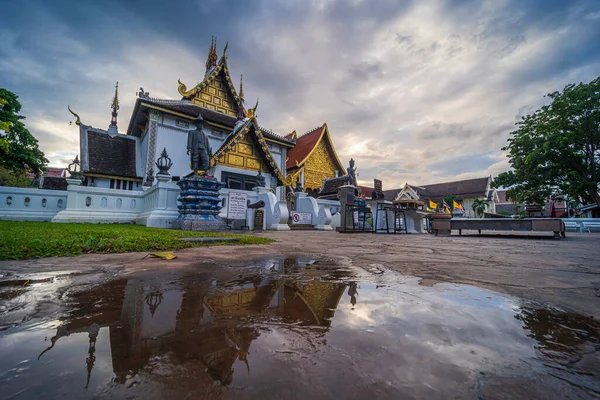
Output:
[[295, 328]]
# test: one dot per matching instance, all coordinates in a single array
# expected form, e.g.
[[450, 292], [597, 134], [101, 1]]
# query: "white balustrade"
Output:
[[30, 204]]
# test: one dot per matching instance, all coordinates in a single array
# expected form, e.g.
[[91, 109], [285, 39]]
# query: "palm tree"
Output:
[[479, 206]]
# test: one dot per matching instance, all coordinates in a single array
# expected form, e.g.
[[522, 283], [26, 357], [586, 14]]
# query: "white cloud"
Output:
[[403, 88]]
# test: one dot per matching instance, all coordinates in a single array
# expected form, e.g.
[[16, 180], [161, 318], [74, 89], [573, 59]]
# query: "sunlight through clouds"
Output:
[[417, 91]]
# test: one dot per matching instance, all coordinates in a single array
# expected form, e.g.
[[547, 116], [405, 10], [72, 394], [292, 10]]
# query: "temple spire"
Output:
[[240, 114], [112, 129], [211, 61]]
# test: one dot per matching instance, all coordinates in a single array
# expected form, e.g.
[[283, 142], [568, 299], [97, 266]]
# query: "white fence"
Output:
[[100, 205], [30, 204], [155, 207], [582, 224]]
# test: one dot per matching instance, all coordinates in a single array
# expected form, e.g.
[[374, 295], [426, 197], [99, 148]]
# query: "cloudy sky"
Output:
[[417, 91]]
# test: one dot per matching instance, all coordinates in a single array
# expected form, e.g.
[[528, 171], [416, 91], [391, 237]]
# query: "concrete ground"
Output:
[[564, 273]]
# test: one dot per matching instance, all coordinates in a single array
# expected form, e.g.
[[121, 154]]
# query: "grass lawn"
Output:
[[22, 240]]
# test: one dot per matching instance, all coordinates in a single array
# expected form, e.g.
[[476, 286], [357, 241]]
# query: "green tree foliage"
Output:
[[479, 206], [18, 148], [14, 179], [557, 148], [449, 199]]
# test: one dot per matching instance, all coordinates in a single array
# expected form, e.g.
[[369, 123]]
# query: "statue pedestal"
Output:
[[200, 204], [347, 195]]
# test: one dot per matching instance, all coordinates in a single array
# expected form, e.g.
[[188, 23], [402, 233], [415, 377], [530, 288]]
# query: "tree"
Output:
[[557, 148], [14, 179], [450, 199], [18, 148], [479, 206]]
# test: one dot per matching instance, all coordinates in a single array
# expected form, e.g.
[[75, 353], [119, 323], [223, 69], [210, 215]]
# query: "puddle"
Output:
[[295, 328]]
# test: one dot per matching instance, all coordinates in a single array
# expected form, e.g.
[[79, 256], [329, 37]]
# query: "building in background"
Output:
[[465, 192], [313, 159]]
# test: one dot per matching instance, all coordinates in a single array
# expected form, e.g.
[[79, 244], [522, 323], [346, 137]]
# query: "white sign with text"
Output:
[[300, 218], [237, 204]]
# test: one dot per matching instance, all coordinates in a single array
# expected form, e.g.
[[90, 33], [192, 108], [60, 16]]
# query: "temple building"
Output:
[[240, 147], [313, 159], [132, 176], [465, 192]]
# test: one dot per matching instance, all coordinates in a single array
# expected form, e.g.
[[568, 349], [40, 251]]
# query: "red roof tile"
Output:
[[304, 145]]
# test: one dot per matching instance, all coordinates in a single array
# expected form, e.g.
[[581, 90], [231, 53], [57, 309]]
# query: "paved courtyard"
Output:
[[565, 273], [312, 315]]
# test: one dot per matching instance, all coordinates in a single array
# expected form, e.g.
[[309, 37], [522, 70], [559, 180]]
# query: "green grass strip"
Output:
[[23, 240]]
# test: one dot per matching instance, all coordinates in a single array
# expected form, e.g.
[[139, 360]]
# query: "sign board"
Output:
[[378, 185], [300, 218], [237, 204], [356, 221], [378, 188], [259, 216]]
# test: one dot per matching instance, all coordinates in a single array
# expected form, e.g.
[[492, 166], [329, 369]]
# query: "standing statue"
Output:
[[260, 180], [198, 148], [352, 172], [299, 187]]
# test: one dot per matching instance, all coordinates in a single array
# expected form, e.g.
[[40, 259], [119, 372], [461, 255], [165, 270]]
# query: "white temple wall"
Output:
[[175, 141], [30, 204], [100, 205], [102, 183]]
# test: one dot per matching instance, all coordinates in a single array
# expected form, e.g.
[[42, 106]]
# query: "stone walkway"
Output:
[[564, 273]]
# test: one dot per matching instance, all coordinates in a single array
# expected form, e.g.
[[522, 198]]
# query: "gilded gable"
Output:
[[245, 155], [216, 96], [320, 165]]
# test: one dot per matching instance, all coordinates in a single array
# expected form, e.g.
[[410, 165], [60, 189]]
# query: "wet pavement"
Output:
[[284, 327]]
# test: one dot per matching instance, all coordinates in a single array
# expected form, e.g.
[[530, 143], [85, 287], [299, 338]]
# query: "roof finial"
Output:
[[78, 122], [115, 106], [242, 87], [225, 49], [212, 55]]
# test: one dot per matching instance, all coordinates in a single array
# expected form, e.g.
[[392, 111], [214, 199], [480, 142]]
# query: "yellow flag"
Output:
[[455, 204], [432, 204]]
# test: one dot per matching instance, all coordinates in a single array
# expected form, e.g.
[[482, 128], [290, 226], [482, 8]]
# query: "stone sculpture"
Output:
[[352, 173], [260, 180], [198, 148]]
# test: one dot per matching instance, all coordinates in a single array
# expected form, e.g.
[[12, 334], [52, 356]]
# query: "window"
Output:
[[238, 181]]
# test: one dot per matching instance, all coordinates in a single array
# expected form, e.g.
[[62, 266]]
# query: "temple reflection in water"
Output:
[[192, 321]]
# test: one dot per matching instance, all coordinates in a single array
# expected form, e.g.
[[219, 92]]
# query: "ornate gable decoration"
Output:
[[407, 193], [216, 91], [245, 148], [319, 164]]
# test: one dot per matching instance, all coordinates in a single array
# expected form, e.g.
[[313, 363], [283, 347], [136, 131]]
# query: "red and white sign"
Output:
[[300, 218], [237, 204]]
